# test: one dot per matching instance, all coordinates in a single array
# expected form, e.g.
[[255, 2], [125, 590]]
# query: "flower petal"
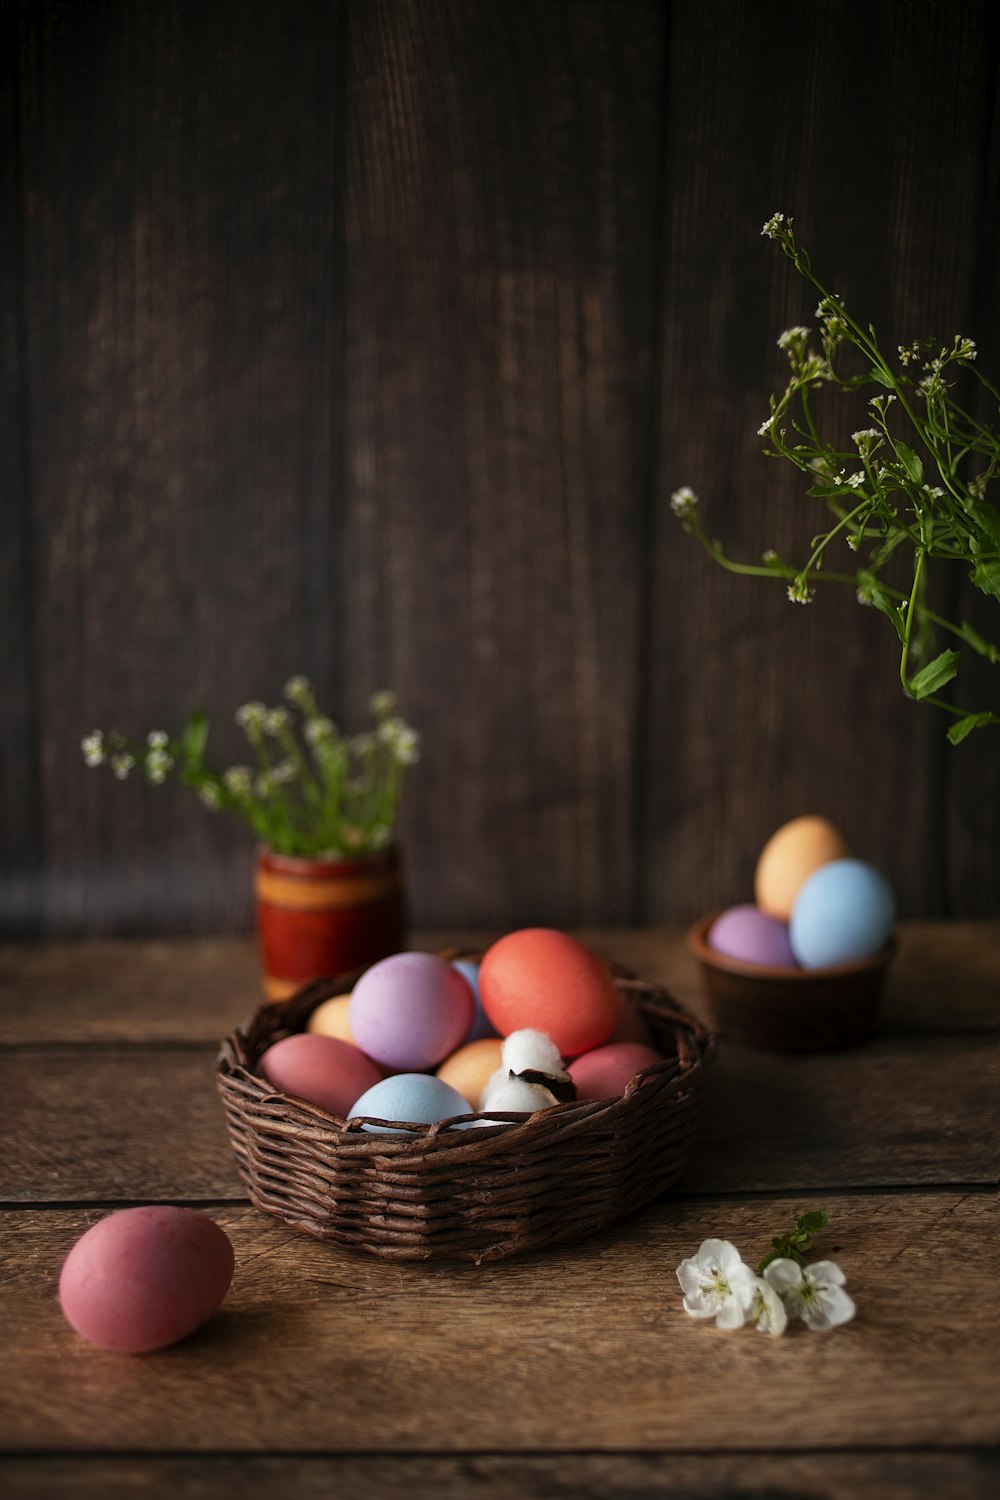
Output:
[[828, 1309], [784, 1275], [770, 1310], [743, 1284], [729, 1257], [716, 1252], [732, 1314], [689, 1274], [825, 1273], [696, 1307]]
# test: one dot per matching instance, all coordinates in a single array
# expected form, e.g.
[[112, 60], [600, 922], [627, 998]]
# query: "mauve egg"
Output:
[[410, 1010], [843, 912], [605, 1072], [145, 1277], [416, 1098], [753, 937], [545, 980], [323, 1070]]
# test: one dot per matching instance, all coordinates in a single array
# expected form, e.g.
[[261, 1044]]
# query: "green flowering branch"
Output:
[[310, 791], [914, 482]]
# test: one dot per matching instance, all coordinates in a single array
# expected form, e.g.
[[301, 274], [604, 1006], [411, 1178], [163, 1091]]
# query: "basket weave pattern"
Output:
[[476, 1194]]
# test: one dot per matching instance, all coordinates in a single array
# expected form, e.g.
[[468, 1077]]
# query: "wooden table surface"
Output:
[[569, 1373]]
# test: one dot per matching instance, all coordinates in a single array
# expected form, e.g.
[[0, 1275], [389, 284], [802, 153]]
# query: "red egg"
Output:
[[145, 1277], [321, 1069], [541, 978], [605, 1072]]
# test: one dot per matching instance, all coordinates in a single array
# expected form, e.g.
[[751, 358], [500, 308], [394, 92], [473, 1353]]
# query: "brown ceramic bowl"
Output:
[[789, 1010]]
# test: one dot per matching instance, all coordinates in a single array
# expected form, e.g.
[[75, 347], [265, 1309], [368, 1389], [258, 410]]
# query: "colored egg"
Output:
[[417, 1098], [544, 979], [332, 1018], [788, 859], [605, 1072], [145, 1277], [410, 1010], [470, 1068], [844, 911], [481, 1026], [750, 935], [323, 1070]]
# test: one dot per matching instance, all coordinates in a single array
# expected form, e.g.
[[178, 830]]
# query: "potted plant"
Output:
[[329, 880], [909, 493]]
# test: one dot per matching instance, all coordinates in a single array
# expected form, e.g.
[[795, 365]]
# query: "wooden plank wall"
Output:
[[369, 339]]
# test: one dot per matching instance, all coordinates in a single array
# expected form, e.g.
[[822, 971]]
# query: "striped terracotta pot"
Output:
[[318, 918]]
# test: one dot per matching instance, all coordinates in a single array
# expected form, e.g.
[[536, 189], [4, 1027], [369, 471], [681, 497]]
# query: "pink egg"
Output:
[[410, 1010], [748, 934], [605, 1072], [323, 1070], [145, 1277]]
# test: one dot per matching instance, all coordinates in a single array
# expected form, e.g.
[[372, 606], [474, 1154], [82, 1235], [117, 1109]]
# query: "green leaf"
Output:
[[911, 462], [885, 606], [936, 673], [986, 576], [883, 377], [964, 727], [194, 739], [989, 519], [980, 644]]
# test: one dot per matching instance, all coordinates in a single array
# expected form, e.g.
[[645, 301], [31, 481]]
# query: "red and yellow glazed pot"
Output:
[[317, 917]]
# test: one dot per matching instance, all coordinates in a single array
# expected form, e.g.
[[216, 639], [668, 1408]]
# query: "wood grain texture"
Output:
[[945, 979], [613, 1476], [97, 1123], [181, 311], [314, 1350], [784, 710], [502, 207]]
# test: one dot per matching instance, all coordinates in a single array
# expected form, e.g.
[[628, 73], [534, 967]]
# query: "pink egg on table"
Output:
[[410, 1010], [750, 935], [145, 1277], [605, 1072], [323, 1070]]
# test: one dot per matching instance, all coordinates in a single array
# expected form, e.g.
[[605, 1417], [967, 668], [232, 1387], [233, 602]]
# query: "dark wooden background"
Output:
[[369, 339]]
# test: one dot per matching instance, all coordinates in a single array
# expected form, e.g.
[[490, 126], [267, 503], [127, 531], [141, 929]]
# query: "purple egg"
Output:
[[408, 1012], [748, 934]]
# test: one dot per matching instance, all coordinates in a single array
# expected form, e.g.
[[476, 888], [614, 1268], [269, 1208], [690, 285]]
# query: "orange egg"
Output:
[[332, 1018], [548, 980], [788, 859], [470, 1068]]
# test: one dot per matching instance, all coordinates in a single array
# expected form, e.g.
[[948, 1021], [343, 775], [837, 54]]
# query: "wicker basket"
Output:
[[479, 1194]]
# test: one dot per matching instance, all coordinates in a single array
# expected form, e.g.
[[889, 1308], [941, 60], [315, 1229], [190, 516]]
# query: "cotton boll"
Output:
[[530, 1051], [516, 1096]]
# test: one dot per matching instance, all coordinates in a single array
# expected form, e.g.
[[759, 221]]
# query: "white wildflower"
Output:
[[406, 748], [318, 729], [122, 764], [209, 794], [298, 690], [965, 348], [769, 558], [275, 721], [764, 430], [866, 434], [767, 1309], [382, 703], [251, 716], [716, 1284], [799, 592], [238, 780], [283, 773], [94, 752], [158, 763], [773, 228], [157, 739], [813, 1293], [857, 479], [683, 501], [793, 338], [864, 595]]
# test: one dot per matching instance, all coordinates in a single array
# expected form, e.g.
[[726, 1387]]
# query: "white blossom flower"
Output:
[[767, 1309], [298, 690], [793, 338], [857, 479], [275, 720], [864, 595], [764, 430], [93, 749], [382, 703], [283, 773], [773, 228], [209, 794], [158, 763], [407, 746], [813, 1293], [965, 348], [122, 764], [250, 716], [716, 1284], [237, 779], [799, 592], [318, 729], [683, 501]]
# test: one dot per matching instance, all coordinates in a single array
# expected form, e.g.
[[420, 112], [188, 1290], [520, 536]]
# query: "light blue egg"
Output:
[[419, 1098], [844, 911], [481, 1025]]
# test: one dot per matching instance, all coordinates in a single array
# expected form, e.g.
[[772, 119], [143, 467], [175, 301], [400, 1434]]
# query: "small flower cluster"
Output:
[[311, 790], [717, 1284]]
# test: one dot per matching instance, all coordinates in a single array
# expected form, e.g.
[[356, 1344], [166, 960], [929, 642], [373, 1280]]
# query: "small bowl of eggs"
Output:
[[802, 967]]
